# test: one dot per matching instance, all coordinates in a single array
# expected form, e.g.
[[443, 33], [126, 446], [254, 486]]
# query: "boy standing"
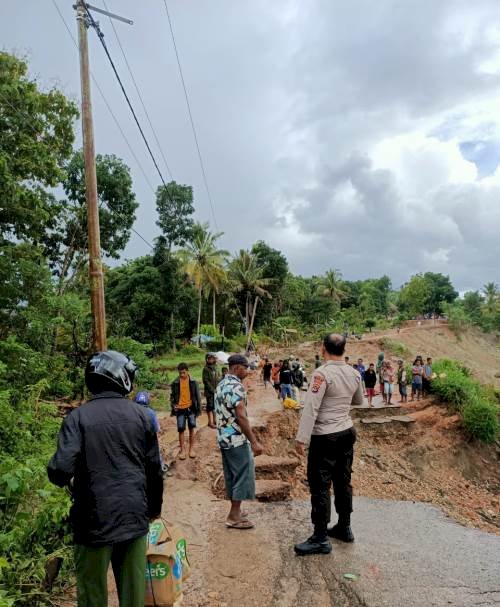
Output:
[[210, 379], [402, 382], [186, 406], [266, 372], [426, 378], [370, 382], [388, 375]]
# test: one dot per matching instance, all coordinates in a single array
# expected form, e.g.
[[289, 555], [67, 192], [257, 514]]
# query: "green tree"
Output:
[[332, 286], [490, 291], [472, 304], [174, 204], [247, 278], [67, 244], [275, 267], [441, 292], [414, 296], [36, 137], [203, 262]]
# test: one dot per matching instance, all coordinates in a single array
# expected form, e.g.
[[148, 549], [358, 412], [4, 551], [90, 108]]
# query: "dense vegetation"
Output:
[[186, 286]]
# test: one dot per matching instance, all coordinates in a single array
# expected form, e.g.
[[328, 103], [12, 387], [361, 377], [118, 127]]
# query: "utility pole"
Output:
[[95, 263], [96, 277]]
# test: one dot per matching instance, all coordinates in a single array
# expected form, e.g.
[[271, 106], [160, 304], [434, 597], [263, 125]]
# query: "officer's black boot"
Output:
[[318, 543], [342, 530]]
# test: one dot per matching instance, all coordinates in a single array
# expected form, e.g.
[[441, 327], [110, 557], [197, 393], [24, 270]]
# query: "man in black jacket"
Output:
[[108, 456], [185, 402]]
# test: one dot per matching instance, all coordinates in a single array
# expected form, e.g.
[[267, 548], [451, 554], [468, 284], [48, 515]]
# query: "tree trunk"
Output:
[[247, 312], [199, 315], [213, 312], [252, 321], [174, 347]]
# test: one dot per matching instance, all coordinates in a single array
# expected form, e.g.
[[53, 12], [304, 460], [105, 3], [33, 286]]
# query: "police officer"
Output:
[[327, 427]]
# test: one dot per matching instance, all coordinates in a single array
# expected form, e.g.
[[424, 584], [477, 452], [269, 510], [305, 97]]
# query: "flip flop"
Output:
[[243, 524]]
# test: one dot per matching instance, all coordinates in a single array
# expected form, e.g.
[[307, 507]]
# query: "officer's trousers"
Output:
[[128, 560], [330, 462]]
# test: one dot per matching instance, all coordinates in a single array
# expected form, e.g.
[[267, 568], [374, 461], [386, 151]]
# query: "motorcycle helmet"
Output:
[[142, 398], [110, 370]]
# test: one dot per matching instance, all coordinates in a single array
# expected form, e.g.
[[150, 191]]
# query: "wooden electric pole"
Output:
[[95, 263]]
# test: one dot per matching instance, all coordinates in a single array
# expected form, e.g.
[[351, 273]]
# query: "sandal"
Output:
[[242, 524]]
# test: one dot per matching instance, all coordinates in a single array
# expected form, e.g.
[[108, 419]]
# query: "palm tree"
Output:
[[246, 278], [332, 286], [490, 291], [204, 263]]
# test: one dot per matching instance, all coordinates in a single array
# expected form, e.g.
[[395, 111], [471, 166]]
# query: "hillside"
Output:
[[477, 350]]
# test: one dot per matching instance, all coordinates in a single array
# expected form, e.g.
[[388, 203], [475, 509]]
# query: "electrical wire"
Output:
[[100, 35], [108, 106], [200, 158], [138, 93]]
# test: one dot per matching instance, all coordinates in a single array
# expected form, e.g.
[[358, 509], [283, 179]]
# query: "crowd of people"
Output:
[[109, 459], [386, 375]]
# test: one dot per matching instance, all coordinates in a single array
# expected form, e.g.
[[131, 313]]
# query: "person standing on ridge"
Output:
[[370, 382], [402, 381], [362, 369], [380, 364], [185, 402], [108, 457], [285, 381], [210, 378], [236, 440], [326, 424], [426, 377], [266, 372]]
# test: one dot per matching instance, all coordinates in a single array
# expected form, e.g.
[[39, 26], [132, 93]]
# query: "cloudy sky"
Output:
[[353, 134]]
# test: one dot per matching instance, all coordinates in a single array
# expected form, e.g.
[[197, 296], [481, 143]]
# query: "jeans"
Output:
[[128, 560], [286, 390]]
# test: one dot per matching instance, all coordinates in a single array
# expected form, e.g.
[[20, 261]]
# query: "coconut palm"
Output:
[[204, 263], [332, 286], [246, 277], [490, 291]]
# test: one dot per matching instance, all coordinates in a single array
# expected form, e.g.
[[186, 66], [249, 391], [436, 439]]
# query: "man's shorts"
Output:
[[210, 402], [416, 386], [370, 392], [185, 416], [239, 472], [277, 387], [403, 390], [388, 388], [426, 385]]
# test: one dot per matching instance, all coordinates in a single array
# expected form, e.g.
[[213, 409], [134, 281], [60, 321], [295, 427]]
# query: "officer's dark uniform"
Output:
[[326, 424]]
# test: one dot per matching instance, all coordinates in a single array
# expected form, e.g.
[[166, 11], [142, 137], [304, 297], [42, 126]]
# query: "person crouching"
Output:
[[185, 401]]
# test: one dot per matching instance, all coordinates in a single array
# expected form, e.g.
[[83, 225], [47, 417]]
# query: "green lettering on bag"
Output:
[[157, 571], [181, 549]]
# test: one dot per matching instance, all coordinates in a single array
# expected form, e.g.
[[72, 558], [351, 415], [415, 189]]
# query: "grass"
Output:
[[395, 347], [165, 370]]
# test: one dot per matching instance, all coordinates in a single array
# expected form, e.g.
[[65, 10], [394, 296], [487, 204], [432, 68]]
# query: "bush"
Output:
[[33, 513], [395, 347], [481, 419], [455, 385]]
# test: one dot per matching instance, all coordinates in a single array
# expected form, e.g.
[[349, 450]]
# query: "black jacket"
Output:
[[109, 447], [370, 378], [175, 393], [286, 377]]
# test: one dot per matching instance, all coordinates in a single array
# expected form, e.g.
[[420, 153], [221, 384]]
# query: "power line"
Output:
[[106, 102], [191, 116], [139, 93], [100, 35]]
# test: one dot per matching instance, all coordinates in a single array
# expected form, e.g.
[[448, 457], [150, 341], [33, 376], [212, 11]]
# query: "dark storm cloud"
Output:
[[292, 101]]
